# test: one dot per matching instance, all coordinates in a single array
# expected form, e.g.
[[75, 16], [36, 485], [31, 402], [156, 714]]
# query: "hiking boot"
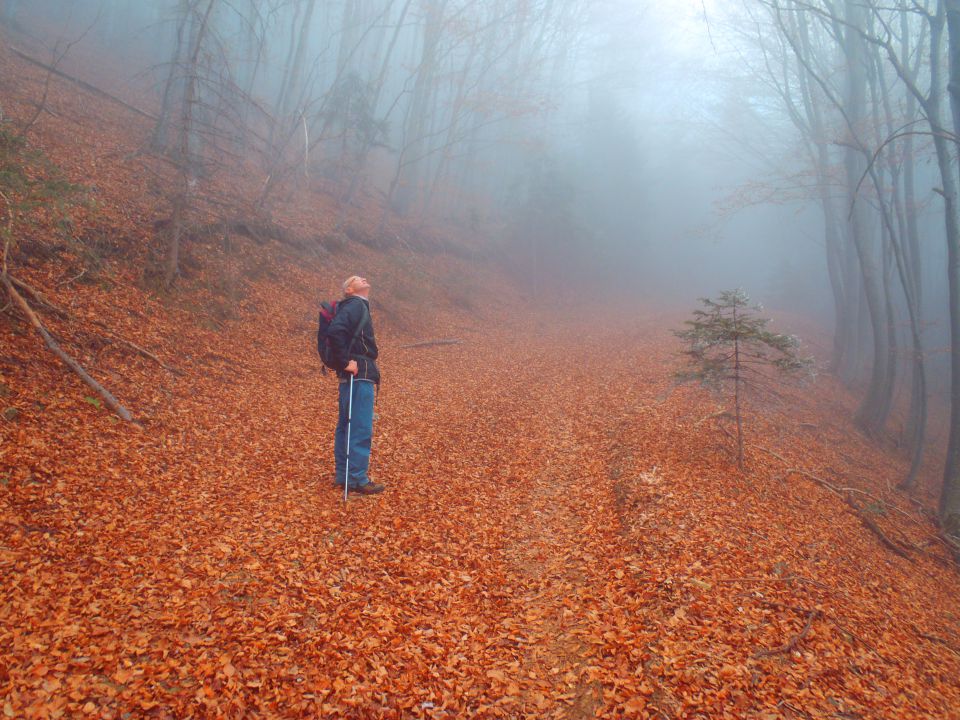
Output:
[[371, 488]]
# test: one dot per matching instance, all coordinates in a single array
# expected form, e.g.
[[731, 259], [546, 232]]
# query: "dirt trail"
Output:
[[528, 449]]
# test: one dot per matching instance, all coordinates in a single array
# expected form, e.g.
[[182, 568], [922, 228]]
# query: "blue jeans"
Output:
[[361, 432]]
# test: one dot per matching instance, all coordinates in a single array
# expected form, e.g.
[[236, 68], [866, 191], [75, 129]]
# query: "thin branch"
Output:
[[946, 135], [792, 643], [145, 353], [430, 343], [73, 279]]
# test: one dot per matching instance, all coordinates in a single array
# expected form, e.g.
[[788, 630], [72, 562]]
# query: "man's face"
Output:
[[358, 286]]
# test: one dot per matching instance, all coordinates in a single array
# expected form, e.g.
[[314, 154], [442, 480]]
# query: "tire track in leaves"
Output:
[[561, 553]]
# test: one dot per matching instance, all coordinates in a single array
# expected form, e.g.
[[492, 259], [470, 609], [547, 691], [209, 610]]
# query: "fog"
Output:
[[616, 136], [665, 150]]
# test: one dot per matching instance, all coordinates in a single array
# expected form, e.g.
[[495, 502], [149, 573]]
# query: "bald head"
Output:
[[356, 285]]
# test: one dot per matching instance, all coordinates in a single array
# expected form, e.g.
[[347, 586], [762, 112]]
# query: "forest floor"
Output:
[[559, 537], [564, 532]]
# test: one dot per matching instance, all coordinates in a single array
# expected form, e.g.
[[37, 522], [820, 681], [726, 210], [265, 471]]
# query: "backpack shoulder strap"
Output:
[[364, 319]]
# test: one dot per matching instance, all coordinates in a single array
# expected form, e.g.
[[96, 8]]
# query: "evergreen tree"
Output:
[[729, 345]]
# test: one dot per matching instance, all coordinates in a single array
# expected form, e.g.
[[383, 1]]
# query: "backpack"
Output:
[[327, 312]]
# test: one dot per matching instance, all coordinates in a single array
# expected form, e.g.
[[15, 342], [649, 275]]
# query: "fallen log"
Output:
[[430, 343], [111, 337], [54, 346], [85, 85]]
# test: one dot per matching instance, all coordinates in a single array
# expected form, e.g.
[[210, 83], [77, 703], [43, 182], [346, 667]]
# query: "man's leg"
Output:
[[361, 432], [340, 436]]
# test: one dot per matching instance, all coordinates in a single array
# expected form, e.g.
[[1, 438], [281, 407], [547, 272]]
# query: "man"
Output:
[[353, 352]]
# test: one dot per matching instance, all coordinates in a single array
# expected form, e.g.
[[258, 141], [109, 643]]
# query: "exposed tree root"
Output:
[[870, 524], [939, 640]]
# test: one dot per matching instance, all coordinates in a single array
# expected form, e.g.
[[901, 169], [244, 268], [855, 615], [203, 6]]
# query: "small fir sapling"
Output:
[[729, 348]]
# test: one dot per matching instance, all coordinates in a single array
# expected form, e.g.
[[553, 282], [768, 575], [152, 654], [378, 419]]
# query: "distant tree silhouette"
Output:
[[729, 345]]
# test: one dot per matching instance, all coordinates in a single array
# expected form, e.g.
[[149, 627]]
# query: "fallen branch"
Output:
[[789, 646], [73, 279], [794, 709], [145, 353], [771, 452], [54, 346], [726, 432], [846, 494], [41, 298], [939, 640], [820, 481], [870, 524], [85, 85], [429, 343], [45, 302], [853, 636], [721, 414]]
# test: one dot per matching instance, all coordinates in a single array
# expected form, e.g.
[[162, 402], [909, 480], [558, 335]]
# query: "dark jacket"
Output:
[[349, 315]]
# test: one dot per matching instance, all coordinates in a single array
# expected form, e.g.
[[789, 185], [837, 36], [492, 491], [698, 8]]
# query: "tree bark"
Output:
[[158, 139], [405, 189], [185, 160], [950, 495], [870, 415]]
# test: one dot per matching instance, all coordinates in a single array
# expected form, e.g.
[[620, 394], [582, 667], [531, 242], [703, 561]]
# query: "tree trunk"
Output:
[[186, 159], [374, 103], [870, 415], [293, 97], [950, 494], [406, 190], [172, 265], [8, 14], [278, 119], [158, 141], [737, 370]]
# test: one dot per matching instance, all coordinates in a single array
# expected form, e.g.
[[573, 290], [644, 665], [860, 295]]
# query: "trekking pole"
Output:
[[346, 478]]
